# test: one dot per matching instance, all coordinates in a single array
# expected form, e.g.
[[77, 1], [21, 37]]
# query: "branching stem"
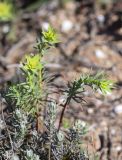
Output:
[[63, 110]]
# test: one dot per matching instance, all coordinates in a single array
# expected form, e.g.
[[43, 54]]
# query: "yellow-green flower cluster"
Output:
[[33, 63], [106, 86], [50, 36], [5, 11], [96, 82]]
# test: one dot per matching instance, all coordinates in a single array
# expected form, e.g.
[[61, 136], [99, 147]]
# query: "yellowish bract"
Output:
[[50, 35], [33, 62], [5, 11]]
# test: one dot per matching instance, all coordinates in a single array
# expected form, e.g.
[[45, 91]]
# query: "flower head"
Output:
[[5, 11], [106, 86], [33, 63], [50, 36]]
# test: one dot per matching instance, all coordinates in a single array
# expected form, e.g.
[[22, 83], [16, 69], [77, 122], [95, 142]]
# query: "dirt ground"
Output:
[[91, 39]]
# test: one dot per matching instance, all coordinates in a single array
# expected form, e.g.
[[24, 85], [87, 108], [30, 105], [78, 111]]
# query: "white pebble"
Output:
[[118, 148], [118, 109], [45, 25], [66, 26], [90, 111], [101, 18], [6, 29], [113, 132], [100, 54]]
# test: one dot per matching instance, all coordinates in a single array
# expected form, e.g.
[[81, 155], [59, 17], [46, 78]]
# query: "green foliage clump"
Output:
[[28, 94], [96, 82], [49, 143], [5, 11], [50, 36], [76, 88], [48, 39]]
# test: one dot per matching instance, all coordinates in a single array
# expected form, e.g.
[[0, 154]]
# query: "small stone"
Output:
[[101, 18], [113, 132], [100, 54], [66, 26], [45, 25], [118, 109], [90, 111], [118, 148], [6, 29]]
